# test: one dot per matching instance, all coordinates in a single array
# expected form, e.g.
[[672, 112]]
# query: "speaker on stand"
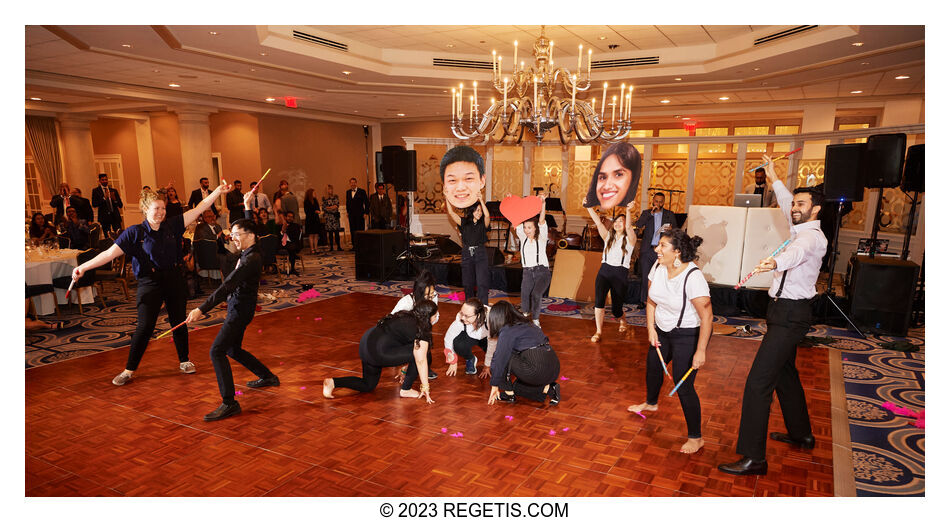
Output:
[[843, 183], [882, 165]]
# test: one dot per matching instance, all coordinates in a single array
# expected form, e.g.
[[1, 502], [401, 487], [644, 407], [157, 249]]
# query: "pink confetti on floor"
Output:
[[307, 294], [552, 432], [640, 414], [565, 378], [317, 318], [303, 387], [259, 331], [281, 362], [457, 434], [298, 317], [445, 430], [565, 429], [238, 392], [509, 417]]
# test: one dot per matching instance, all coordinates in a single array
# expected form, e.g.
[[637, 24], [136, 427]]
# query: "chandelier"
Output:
[[528, 100]]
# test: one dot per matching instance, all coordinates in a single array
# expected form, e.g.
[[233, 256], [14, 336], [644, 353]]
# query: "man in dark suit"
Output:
[[291, 240], [652, 221], [199, 194], [107, 200], [357, 206], [82, 206], [235, 201], [380, 208], [60, 201]]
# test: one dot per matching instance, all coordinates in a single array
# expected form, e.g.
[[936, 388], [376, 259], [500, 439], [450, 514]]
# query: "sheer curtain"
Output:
[[41, 135]]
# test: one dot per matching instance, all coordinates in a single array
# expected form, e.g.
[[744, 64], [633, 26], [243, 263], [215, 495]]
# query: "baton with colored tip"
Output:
[[778, 158], [170, 331], [681, 382], [756, 270]]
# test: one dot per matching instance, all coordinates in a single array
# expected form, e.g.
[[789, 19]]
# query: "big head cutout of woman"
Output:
[[616, 178]]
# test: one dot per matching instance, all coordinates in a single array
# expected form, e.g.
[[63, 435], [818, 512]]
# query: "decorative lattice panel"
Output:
[[578, 181], [547, 175], [714, 183], [810, 173], [429, 198], [671, 174]]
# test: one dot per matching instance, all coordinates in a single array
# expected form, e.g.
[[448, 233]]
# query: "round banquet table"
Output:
[[44, 266]]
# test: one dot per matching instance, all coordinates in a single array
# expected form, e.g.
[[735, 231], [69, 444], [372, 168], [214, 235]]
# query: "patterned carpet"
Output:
[[887, 451]]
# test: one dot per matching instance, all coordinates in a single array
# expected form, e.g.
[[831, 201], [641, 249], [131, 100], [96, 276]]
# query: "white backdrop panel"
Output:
[[765, 230], [722, 230]]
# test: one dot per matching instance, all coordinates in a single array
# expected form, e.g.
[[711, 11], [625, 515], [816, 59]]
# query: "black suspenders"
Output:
[[537, 252], [683, 310]]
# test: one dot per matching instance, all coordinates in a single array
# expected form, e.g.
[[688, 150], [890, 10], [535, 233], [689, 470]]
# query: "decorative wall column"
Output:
[[194, 131], [79, 160], [143, 144]]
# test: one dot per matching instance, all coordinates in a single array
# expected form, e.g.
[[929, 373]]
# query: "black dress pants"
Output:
[[463, 345], [228, 343], [166, 286], [377, 351], [679, 344], [613, 279], [774, 369], [476, 271], [533, 370]]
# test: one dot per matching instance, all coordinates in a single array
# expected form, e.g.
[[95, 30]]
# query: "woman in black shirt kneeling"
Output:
[[524, 352], [397, 339]]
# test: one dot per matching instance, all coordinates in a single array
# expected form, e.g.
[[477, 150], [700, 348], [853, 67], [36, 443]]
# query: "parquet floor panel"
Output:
[[86, 437]]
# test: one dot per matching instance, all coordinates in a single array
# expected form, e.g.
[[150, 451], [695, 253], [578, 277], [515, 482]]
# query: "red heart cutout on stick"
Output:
[[518, 209]]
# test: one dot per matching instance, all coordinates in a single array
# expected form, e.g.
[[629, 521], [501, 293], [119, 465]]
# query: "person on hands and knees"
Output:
[[522, 351]]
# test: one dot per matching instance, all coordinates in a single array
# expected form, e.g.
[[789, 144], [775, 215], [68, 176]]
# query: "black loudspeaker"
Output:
[[404, 179], [843, 181], [376, 252], [884, 160], [914, 169], [380, 177], [882, 292], [390, 163]]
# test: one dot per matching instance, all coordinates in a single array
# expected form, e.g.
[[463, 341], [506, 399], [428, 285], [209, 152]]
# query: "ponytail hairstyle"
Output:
[[503, 314], [423, 281], [148, 196], [422, 312], [480, 312], [687, 246]]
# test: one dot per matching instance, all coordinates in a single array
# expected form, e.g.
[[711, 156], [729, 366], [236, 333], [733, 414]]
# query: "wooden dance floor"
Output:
[[86, 437]]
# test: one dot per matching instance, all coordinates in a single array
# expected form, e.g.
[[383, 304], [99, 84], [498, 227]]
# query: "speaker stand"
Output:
[[905, 251], [830, 289], [406, 258]]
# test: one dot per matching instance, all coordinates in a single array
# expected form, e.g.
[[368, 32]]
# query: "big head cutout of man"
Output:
[[463, 176], [616, 178]]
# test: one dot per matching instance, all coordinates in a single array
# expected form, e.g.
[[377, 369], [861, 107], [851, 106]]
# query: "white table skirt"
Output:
[[42, 272]]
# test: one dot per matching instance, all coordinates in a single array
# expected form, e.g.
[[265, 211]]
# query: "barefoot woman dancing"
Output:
[[679, 325]]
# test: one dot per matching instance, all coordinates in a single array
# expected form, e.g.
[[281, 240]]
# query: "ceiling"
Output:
[[103, 69]]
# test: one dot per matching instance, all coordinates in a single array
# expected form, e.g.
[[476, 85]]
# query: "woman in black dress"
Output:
[[172, 203], [314, 228], [397, 339]]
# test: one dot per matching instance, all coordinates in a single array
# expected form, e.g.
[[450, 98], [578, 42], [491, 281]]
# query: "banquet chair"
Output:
[[35, 290], [206, 257], [113, 275], [88, 279], [284, 257], [269, 244]]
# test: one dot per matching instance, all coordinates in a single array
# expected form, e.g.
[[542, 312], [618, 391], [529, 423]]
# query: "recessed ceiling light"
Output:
[[602, 38], [902, 77], [857, 44], [34, 98], [723, 98], [270, 99], [127, 46], [678, 79], [174, 85], [664, 101], [156, 71], [213, 33], [263, 53], [856, 92], [400, 114], [347, 72]]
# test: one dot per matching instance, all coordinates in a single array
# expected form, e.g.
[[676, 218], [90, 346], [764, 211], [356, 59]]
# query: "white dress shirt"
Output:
[[405, 304], [531, 253], [457, 327], [802, 257], [617, 256]]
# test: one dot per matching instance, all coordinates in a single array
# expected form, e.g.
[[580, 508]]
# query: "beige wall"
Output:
[[310, 154], [112, 136], [235, 135], [393, 133], [167, 150]]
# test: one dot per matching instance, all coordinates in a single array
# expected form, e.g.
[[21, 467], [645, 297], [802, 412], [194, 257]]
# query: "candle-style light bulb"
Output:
[[580, 48], [514, 63], [453, 103], [590, 52], [604, 106], [504, 104]]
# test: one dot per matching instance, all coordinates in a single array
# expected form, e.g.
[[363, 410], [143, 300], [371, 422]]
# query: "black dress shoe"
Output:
[[806, 442], [267, 381], [505, 397], [433, 376], [554, 392], [745, 466], [224, 411]]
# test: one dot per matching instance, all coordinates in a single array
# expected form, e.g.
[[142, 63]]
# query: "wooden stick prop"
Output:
[[70, 289], [756, 270], [262, 179], [778, 158], [681, 382], [663, 363], [170, 331]]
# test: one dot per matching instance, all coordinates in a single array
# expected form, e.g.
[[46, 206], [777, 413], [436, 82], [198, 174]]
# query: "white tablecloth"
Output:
[[43, 268]]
